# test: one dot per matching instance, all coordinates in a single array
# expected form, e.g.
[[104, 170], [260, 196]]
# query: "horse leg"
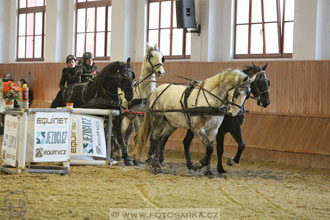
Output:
[[206, 160], [161, 130], [237, 135], [220, 139], [161, 156], [129, 130], [186, 143], [119, 137], [152, 150], [151, 154]]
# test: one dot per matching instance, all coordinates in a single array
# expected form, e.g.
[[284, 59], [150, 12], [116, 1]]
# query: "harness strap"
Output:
[[168, 86], [199, 91], [184, 104]]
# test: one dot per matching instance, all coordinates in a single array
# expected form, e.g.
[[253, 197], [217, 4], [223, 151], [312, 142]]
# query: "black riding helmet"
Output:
[[71, 57], [87, 55]]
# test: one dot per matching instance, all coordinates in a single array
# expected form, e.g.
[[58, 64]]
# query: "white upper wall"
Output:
[[323, 30], [4, 28], [129, 17]]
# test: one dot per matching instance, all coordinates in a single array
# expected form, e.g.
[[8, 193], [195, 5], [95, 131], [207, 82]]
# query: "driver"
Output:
[[68, 74], [87, 70]]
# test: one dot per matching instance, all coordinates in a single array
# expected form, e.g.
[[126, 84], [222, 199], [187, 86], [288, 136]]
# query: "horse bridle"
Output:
[[119, 79], [258, 91], [245, 86], [153, 67]]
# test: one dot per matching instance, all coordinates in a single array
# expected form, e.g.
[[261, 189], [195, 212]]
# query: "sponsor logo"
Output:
[[40, 152], [87, 130], [59, 121], [51, 137]]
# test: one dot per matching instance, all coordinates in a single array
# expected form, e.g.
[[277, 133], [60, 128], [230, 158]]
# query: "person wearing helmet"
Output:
[[87, 70], [68, 74]]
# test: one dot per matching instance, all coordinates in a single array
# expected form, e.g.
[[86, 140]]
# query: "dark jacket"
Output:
[[86, 73], [68, 77]]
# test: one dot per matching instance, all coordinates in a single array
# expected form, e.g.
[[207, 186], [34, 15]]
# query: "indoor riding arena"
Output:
[[278, 169]]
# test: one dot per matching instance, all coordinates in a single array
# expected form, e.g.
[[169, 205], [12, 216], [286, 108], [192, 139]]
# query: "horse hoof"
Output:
[[157, 168], [209, 173], [221, 171], [136, 163], [231, 162], [198, 166], [149, 160], [157, 171], [190, 166], [128, 161]]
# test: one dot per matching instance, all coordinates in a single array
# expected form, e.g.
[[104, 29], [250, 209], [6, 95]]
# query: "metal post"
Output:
[[109, 159], [22, 143]]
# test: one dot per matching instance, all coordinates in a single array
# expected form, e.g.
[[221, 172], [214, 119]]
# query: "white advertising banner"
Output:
[[87, 137], [52, 137], [10, 140]]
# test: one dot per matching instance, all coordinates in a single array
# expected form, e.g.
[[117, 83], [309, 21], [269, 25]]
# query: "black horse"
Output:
[[102, 93], [260, 92]]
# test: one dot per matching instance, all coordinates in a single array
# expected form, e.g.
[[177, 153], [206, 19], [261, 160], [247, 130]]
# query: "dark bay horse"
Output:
[[102, 93], [260, 92]]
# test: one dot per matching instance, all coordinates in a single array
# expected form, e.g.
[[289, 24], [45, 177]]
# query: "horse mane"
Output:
[[229, 77], [110, 68], [250, 70]]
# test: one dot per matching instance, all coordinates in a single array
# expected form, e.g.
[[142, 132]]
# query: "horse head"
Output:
[[155, 60], [260, 85], [117, 75], [236, 96], [126, 79]]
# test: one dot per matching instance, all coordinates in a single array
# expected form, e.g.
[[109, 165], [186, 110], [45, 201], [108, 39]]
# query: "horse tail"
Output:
[[142, 137]]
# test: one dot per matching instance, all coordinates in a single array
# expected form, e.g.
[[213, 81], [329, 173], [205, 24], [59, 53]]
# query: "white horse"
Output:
[[200, 108], [152, 68]]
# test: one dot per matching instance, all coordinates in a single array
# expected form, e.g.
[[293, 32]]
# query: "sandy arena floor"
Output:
[[250, 190]]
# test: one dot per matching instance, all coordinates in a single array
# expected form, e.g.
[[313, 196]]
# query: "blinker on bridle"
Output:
[[257, 97]]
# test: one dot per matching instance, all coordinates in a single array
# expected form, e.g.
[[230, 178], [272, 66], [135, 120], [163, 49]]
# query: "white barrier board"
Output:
[[10, 140], [87, 137], [51, 137]]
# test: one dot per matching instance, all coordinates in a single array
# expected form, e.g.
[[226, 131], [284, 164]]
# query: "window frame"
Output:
[[28, 10], [281, 30], [172, 57], [95, 5]]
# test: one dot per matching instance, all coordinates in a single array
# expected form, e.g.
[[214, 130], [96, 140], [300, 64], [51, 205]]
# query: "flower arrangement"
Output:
[[10, 92]]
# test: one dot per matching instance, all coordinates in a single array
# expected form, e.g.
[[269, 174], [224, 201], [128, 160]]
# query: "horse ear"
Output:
[[264, 67], [129, 62], [156, 46], [148, 46]]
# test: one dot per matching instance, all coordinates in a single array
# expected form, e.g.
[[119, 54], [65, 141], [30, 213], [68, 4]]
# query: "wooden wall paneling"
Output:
[[297, 87]]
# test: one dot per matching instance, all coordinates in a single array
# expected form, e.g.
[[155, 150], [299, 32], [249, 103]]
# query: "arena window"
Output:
[[30, 30], [263, 29], [173, 42], [93, 28]]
